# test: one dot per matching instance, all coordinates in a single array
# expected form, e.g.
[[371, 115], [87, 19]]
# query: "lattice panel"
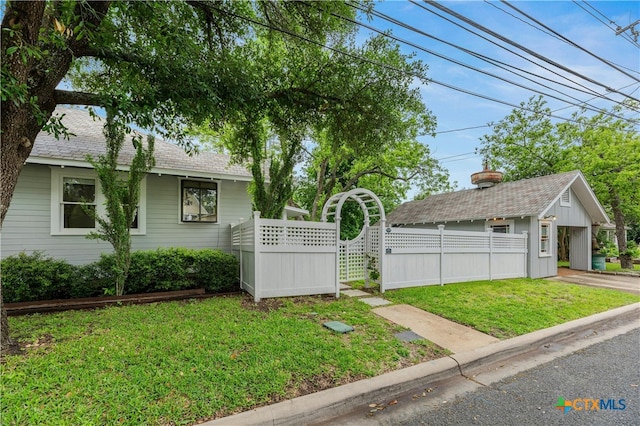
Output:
[[412, 241], [466, 241], [352, 260], [274, 235], [509, 242], [373, 240]]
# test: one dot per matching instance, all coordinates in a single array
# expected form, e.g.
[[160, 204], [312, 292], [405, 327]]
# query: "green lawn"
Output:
[[509, 308], [180, 362], [616, 267], [608, 266], [184, 362]]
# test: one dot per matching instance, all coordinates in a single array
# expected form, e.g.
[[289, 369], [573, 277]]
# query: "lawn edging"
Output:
[[332, 403]]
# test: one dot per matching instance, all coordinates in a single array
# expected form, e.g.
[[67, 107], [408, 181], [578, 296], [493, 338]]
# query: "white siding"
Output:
[[27, 225]]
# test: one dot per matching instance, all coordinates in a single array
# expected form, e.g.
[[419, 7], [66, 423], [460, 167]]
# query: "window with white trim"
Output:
[[501, 226], [75, 192], [198, 201], [565, 198], [545, 238]]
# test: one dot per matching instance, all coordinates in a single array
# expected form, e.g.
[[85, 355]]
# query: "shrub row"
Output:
[[38, 277]]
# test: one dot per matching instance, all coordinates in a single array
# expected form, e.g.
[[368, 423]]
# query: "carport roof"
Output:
[[528, 197]]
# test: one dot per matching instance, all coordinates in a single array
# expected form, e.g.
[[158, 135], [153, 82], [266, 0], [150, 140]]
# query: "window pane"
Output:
[[76, 217], [208, 205], [134, 223], [190, 204], [199, 201], [79, 190], [500, 229]]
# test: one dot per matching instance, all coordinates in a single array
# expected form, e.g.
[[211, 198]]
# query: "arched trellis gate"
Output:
[[360, 258], [294, 258]]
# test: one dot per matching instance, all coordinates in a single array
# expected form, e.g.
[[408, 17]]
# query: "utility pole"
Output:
[[631, 27]]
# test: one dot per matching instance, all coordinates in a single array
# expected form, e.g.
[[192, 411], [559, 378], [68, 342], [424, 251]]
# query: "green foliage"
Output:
[[169, 269], [633, 250], [27, 277], [608, 248], [38, 277], [121, 195]]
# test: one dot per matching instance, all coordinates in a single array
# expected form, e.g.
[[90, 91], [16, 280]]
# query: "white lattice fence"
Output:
[[353, 259], [416, 257], [286, 258]]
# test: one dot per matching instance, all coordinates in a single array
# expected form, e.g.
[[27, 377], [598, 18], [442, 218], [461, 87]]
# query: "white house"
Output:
[[537, 206], [186, 201]]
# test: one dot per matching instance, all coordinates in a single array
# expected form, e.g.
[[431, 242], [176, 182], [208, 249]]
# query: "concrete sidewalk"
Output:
[[329, 404], [447, 334]]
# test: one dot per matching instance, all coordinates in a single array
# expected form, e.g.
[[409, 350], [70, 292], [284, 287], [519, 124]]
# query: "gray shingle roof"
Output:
[[88, 139], [527, 197]]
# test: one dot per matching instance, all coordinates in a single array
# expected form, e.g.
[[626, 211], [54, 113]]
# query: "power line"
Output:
[[362, 59], [477, 55], [464, 128], [524, 48], [490, 3], [625, 36], [589, 90], [569, 41]]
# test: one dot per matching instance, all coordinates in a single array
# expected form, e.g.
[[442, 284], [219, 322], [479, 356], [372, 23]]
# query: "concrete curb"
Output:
[[331, 403]]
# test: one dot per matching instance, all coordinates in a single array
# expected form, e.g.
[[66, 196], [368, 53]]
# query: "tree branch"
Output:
[[67, 97]]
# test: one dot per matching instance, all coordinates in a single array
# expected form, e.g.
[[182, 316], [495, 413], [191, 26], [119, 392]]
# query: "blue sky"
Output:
[[455, 110]]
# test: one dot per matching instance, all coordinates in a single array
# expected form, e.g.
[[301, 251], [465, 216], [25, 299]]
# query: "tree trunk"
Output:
[[563, 243], [319, 190], [22, 120], [625, 259], [9, 345]]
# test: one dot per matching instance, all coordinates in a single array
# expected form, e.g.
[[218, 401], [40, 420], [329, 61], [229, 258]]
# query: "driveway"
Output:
[[629, 284]]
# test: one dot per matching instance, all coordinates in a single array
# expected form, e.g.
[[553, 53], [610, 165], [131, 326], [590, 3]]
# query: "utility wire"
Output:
[[477, 55], [590, 91], [524, 48], [380, 64], [606, 24], [566, 40], [490, 3], [611, 21]]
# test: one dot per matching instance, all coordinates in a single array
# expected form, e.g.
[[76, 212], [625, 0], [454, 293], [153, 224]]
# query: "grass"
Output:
[[616, 267], [609, 266], [512, 307], [185, 362]]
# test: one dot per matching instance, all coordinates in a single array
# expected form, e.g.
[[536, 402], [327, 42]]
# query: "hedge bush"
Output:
[[36, 277]]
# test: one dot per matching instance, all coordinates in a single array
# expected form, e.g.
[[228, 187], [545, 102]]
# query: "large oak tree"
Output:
[[162, 65]]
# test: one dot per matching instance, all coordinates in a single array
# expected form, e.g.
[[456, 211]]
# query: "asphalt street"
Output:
[[609, 370]]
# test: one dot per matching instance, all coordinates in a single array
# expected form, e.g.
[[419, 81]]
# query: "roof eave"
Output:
[[157, 170]]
